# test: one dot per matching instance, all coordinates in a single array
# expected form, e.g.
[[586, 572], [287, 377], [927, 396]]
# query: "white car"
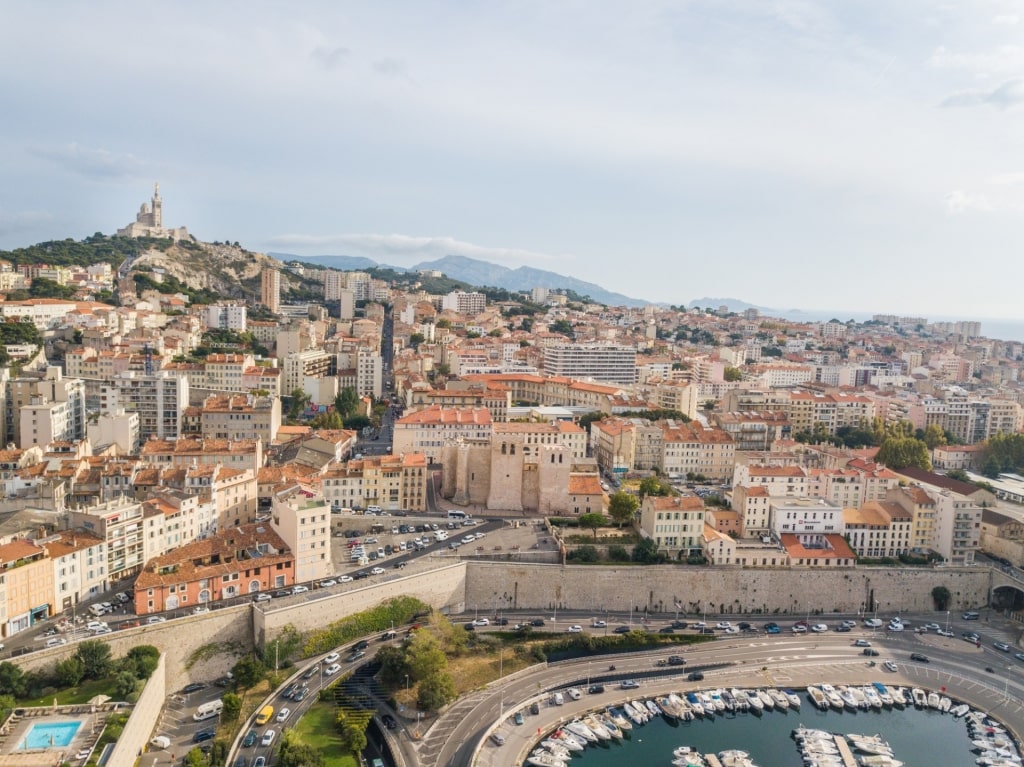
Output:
[[873, 623], [575, 629], [332, 657], [819, 628], [331, 670], [732, 630], [155, 619], [723, 625], [481, 622], [262, 597], [200, 609], [95, 626], [598, 624], [328, 583], [799, 628], [283, 714], [466, 539], [895, 626], [299, 589], [890, 665], [346, 579], [378, 571], [573, 693]]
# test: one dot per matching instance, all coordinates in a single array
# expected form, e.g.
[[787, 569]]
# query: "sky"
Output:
[[857, 156]]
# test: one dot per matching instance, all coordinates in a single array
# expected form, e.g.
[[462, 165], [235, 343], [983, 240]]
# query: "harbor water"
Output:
[[919, 738]]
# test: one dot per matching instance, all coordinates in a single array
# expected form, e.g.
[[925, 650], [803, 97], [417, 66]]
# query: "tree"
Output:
[[585, 553], [232, 707], [125, 683], [353, 739], [622, 508], [434, 691], [144, 658], [941, 597], [593, 522], [96, 657], [617, 553], [900, 452], [646, 552], [295, 753], [934, 436], [7, 703], [248, 672], [196, 758], [425, 657], [653, 486], [731, 374], [393, 667], [12, 680], [347, 401], [298, 400], [416, 339], [69, 672]]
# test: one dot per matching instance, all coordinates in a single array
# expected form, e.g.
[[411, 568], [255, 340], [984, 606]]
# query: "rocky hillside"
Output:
[[227, 270]]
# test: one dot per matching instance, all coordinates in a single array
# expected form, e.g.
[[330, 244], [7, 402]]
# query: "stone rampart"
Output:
[[730, 591], [443, 588]]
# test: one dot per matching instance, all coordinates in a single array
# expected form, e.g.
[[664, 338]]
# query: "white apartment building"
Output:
[[116, 428], [369, 373], [601, 362], [226, 317], [128, 530], [304, 524], [806, 517], [58, 407], [464, 303], [79, 567], [957, 533], [160, 400], [297, 366], [675, 523]]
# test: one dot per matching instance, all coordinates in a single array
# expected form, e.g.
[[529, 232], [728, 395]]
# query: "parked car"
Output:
[[919, 657], [621, 630], [1001, 646], [262, 597], [194, 687], [695, 676], [595, 689], [862, 643], [871, 652], [629, 684], [481, 622], [970, 616]]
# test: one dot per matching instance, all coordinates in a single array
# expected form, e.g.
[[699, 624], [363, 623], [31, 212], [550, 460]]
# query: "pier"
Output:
[[844, 751]]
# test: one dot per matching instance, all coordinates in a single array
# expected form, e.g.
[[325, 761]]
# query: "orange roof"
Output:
[[837, 548], [584, 484]]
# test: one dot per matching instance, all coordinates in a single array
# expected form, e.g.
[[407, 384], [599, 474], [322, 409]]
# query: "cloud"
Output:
[[1008, 94], [1008, 19], [407, 248], [330, 58], [390, 67], [1001, 61], [100, 164], [14, 223], [959, 201]]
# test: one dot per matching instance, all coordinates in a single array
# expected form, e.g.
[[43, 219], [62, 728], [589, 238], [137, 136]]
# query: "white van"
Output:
[[160, 741], [208, 710], [558, 699]]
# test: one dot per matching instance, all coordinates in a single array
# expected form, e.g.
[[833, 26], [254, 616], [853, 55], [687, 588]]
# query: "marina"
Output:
[[873, 726]]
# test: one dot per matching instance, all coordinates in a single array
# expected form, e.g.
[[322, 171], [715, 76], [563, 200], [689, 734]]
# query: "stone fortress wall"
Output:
[[730, 591]]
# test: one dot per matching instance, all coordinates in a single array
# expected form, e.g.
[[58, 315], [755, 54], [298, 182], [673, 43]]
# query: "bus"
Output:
[[457, 515], [208, 710], [264, 715]]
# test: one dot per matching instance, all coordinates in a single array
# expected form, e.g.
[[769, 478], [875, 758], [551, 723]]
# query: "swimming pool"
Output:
[[50, 735]]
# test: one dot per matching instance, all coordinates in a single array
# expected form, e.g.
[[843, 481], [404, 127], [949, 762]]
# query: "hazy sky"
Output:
[[862, 156]]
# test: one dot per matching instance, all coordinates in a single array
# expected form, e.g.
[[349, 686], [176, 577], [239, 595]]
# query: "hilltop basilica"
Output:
[[150, 222]]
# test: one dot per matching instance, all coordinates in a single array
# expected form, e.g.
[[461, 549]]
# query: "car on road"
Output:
[[481, 622], [743, 626], [970, 616], [290, 690], [819, 628], [194, 687], [389, 721], [919, 657], [621, 630], [268, 738], [300, 589], [932, 626], [283, 714], [345, 579], [378, 571], [498, 739], [732, 630], [890, 665], [676, 660], [575, 629], [250, 739], [842, 628], [202, 735], [535, 708], [311, 672], [259, 761], [1019, 655], [595, 689], [331, 670], [328, 583], [95, 626], [695, 676], [873, 623], [153, 619], [970, 636], [537, 622], [723, 625], [679, 624], [799, 628], [871, 652], [849, 624], [862, 643], [332, 657], [574, 693], [262, 597], [629, 684], [944, 633], [280, 593], [354, 656], [1001, 646], [596, 624], [670, 630], [300, 694]]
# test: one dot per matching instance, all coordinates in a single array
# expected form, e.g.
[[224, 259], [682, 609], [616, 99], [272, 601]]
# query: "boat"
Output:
[[707, 703], [920, 698], [846, 694], [695, 705], [820, 747], [802, 733], [871, 696], [690, 760], [685, 712], [899, 696], [959, 711], [780, 698], [883, 693], [945, 704], [756, 704], [817, 698], [541, 758], [716, 701], [793, 698], [766, 699], [577, 727], [652, 707], [597, 727], [869, 744], [684, 751], [568, 741], [933, 700], [728, 699], [608, 724], [557, 749], [879, 760], [742, 703], [669, 710], [618, 718], [634, 716], [834, 699]]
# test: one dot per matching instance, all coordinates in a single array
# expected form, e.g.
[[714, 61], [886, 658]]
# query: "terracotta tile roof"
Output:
[[776, 471], [838, 548], [435, 414], [676, 503], [15, 550], [584, 484]]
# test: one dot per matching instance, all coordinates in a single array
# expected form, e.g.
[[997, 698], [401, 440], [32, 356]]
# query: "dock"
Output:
[[712, 760], [844, 751]]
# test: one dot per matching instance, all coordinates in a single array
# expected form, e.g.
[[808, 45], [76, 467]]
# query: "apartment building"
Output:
[[79, 567], [465, 303], [879, 529], [807, 518], [675, 523], [240, 560], [26, 586], [304, 524], [38, 410], [600, 362], [240, 417], [957, 527], [128, 530], [692, 449], [226, 317], [426, 431], [160, 400], [233, 454], [753, 430], [922, 510], [298, 366], [117, 428], [270, 289]]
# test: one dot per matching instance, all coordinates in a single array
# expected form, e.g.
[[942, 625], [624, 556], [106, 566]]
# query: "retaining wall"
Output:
[[136, 733]]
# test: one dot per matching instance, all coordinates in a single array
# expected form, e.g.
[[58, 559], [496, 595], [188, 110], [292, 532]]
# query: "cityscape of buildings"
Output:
[[130, 459]]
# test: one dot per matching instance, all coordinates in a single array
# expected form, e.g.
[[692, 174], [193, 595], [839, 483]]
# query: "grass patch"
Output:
[[212, 650], [471, 672], [85, 692], [317, 728]]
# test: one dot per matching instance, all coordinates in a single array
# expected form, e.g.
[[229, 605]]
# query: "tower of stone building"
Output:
[[158, 207]]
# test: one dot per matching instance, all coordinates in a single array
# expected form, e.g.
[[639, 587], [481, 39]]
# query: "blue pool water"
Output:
[[53, 734]]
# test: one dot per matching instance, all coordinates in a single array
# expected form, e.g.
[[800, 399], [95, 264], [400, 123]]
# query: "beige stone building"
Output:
[[241, 417], [879, 529], [427, 431], [675, 523], [303, 522], [393, 482]]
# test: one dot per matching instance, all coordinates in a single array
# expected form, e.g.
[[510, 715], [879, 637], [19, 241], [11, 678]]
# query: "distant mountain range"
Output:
[[480, 273]]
